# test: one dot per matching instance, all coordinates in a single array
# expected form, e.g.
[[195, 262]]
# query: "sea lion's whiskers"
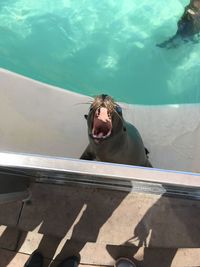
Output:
[[84, 103]]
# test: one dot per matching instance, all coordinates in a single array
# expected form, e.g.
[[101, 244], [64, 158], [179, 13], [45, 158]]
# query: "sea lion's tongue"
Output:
[[102, 123], [100, 135]]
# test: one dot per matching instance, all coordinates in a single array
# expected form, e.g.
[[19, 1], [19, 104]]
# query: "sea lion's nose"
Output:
[[102, 114]]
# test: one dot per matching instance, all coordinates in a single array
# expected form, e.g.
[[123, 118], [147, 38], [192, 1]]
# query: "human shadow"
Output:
[[73, 213], [171, 223]]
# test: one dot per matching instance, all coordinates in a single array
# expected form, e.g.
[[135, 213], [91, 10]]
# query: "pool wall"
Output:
[[41, 119]]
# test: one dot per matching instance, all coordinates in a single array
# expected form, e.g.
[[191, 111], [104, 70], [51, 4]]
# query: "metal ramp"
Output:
[[18, 170]]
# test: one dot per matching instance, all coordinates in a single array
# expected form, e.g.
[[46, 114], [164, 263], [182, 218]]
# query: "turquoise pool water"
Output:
[[109, 46]]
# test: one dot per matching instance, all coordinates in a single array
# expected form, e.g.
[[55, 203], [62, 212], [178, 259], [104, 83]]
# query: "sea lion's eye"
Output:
[[118, 109]]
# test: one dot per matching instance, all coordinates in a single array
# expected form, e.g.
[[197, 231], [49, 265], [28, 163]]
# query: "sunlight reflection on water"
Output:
[[93, 47]]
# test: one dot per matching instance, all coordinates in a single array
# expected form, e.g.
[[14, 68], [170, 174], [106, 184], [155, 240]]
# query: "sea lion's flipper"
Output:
[[163, 44], [170, 43], [87, 154], [147, 163], [146, 151]]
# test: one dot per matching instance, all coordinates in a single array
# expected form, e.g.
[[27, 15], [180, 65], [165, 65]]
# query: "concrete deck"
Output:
[[100, 225]]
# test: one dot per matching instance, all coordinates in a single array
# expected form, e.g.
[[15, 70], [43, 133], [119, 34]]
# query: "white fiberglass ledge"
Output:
[[80, 168]]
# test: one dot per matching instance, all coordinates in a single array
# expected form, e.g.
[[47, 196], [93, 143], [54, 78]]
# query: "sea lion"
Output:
[[111, 138], [188, 26]]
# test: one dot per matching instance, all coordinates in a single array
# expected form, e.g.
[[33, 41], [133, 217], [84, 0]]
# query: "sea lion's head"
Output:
[[189, 24], [104, 119]]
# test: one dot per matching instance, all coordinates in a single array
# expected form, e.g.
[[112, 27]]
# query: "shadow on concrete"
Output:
[[171, 223], [72, 212]]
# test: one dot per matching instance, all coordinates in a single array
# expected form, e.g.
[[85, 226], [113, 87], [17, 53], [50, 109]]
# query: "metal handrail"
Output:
[[57, 170]]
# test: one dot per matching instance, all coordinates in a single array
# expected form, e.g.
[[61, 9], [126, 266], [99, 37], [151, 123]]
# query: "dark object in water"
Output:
[[188, 26], [111, 138]]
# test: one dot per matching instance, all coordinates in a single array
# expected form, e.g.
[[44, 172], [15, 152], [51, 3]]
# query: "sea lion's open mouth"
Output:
[[101, 130], [102, 124]]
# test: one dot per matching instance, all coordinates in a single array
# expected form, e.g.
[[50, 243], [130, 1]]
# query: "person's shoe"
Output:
[[35, 260], [124, 262], [70, 262]]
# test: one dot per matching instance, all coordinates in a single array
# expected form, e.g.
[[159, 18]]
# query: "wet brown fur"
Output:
[[108, 103]]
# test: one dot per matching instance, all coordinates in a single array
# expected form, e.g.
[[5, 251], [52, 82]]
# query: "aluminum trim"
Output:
[[98, 169]]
